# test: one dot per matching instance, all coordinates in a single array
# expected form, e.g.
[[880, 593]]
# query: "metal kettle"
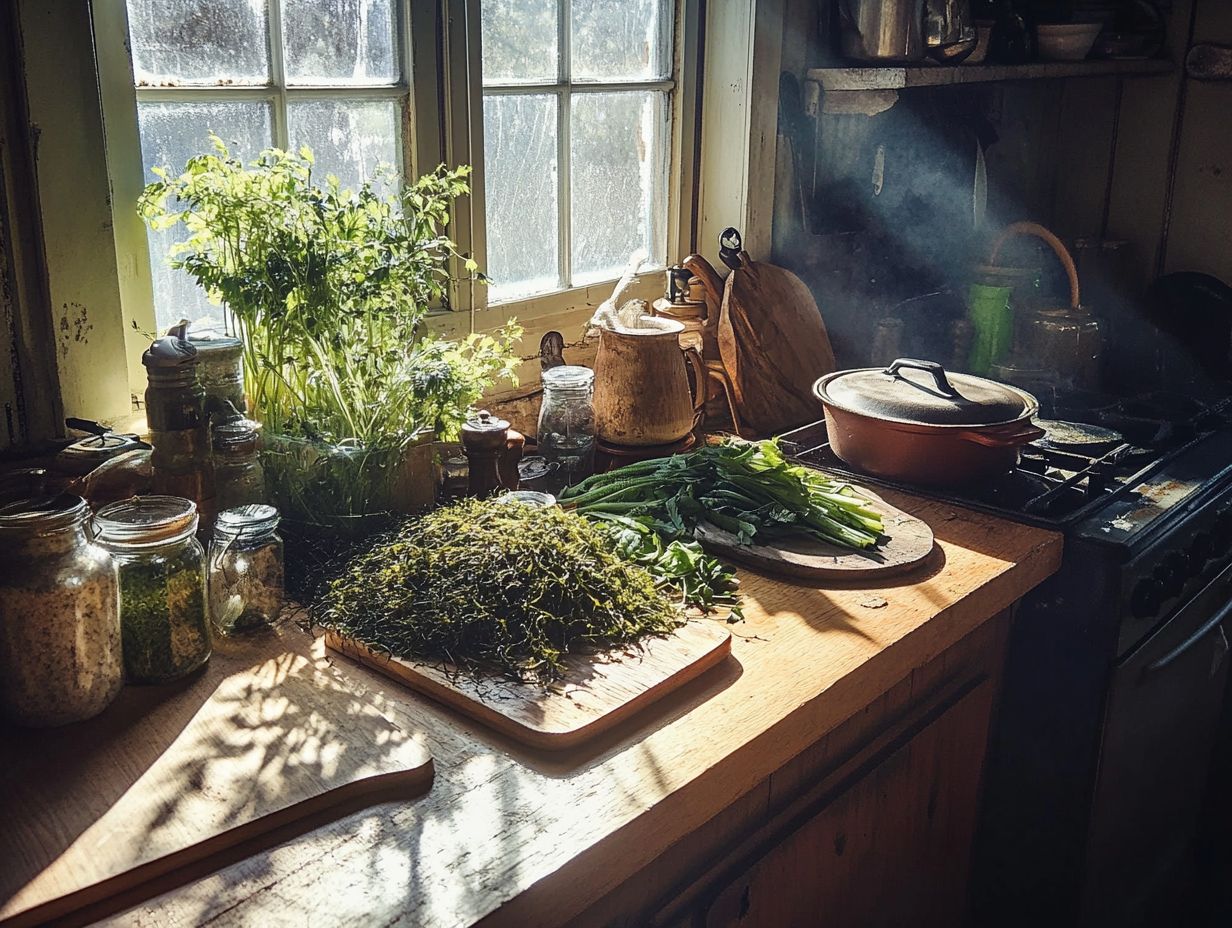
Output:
[[906, 30]]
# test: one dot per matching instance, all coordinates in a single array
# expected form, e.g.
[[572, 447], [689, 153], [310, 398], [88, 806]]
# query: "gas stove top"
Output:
[[1160, 444]]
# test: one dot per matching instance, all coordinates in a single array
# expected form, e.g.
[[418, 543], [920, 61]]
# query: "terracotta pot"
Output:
[[937, 430], [642, 391]]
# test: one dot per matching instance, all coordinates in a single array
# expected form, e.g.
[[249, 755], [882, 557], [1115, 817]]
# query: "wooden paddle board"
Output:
[[267, 734], [596, 693], [907, 547]]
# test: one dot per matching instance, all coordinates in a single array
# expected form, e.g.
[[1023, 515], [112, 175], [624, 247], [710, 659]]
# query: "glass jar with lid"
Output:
[[245, 569], [567, 424], [59, 615], [238, 477], [162, 585], [220, 370]]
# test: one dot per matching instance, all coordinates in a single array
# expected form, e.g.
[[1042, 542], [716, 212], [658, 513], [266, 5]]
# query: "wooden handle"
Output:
[[709, 277], [701, 377], [1038, 231]]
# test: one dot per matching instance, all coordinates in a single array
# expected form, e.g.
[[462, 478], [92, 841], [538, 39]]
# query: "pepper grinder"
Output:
[[485, 440]]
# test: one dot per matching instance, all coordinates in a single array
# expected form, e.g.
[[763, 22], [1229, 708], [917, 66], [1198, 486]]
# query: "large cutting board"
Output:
[[907, 548], [595, 694], [268, 734]]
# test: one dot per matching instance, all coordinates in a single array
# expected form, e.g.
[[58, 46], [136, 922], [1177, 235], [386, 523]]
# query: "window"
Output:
[[572, 98], [330, 74], [576, 125]]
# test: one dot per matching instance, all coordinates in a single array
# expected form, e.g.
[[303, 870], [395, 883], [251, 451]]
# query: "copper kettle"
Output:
[[1065, 339]]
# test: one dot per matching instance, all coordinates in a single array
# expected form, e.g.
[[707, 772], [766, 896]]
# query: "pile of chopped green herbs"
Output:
[[747, 488], [504, 588]]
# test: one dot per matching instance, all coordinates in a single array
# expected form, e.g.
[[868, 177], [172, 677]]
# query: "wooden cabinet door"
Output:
[[892, 846]]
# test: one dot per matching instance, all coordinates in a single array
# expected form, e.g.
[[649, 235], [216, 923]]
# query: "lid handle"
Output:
[[931, 367]]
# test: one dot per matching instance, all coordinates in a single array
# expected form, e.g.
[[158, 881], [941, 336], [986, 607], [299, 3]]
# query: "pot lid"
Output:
[[924, 392]]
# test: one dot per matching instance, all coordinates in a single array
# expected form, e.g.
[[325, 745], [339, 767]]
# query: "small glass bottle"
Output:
[[59, 615], [567, 424], [245, 570], [162, 585], [238, 477], [220, 369]]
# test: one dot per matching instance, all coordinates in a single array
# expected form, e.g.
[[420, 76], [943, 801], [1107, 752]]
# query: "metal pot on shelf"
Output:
[[915, 422]]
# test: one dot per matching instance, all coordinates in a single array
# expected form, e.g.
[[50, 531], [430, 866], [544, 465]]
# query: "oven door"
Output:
[[1160, 726]]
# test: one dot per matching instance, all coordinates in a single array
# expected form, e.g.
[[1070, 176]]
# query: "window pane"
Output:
[[347, 138], [519, 143], [620, 41], [618, 176], [519, 40], [340, 42], [171, 133], [198, 42]]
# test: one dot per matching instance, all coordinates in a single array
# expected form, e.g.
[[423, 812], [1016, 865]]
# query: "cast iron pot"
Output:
[[914, 422]]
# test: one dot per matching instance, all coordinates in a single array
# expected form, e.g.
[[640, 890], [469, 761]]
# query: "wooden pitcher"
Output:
[[642, 392]]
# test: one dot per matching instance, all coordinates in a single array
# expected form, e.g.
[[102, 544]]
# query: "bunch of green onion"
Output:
[[749, 489]]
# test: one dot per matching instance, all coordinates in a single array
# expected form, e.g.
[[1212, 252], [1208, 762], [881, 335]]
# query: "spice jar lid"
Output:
[[532, 498], [568, 377], [86, 454], [170, 351], [484, 421], [43, 514], [253, 519], [237, 435], [214, 346], [146, 520]]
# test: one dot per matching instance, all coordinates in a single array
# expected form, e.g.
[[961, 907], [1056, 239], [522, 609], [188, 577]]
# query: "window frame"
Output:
[[442, 91]]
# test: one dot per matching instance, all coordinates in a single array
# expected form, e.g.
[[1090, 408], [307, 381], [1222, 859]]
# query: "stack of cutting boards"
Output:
[[772, 341]]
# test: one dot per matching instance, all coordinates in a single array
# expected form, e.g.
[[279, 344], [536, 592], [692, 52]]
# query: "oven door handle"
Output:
[[1211, 624]]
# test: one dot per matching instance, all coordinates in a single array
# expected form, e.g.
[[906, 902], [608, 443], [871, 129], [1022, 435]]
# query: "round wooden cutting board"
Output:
[[908, 544]]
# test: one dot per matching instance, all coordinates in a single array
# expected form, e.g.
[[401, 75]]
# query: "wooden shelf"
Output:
[[898, 78]]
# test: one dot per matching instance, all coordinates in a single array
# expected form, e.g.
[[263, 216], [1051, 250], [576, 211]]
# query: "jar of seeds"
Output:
[[245, 570], [238, 477], [59, 615], [162, 585]]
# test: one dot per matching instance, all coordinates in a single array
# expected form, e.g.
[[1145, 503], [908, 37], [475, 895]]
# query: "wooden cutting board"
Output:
[[267, 734], [774, 346], [595, 694], [908, 547]]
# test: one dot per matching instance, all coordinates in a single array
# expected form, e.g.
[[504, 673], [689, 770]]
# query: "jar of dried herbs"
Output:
[[59, 615], [245, 570], [162, 585], [220, 370], [238, 477]]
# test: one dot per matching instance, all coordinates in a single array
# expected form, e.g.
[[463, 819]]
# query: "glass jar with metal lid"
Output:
[[162, 585], [238, 477], [220, 369], [245, 569], [567, 424], [175, 413], [59, 615]]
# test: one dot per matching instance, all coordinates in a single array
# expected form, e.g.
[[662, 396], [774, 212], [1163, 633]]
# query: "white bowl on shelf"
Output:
[[1067, 41]]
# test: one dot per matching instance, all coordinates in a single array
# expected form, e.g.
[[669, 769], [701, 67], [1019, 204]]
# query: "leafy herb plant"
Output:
[[329, 289]]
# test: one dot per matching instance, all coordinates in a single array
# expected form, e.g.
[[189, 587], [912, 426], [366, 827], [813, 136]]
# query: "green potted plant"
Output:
[[329, 289]]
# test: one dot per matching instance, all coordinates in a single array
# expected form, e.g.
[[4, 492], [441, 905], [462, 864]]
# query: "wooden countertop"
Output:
[[522, 839]]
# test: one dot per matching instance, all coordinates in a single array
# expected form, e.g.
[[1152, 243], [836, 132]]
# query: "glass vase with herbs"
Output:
[[163, 619], [328, 289]]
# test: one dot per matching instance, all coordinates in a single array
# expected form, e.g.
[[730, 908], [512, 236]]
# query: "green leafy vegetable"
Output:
[[747, 488], [700, 581]]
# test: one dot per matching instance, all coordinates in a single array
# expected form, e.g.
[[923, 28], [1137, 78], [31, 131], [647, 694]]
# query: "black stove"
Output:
[[1117, 671]]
